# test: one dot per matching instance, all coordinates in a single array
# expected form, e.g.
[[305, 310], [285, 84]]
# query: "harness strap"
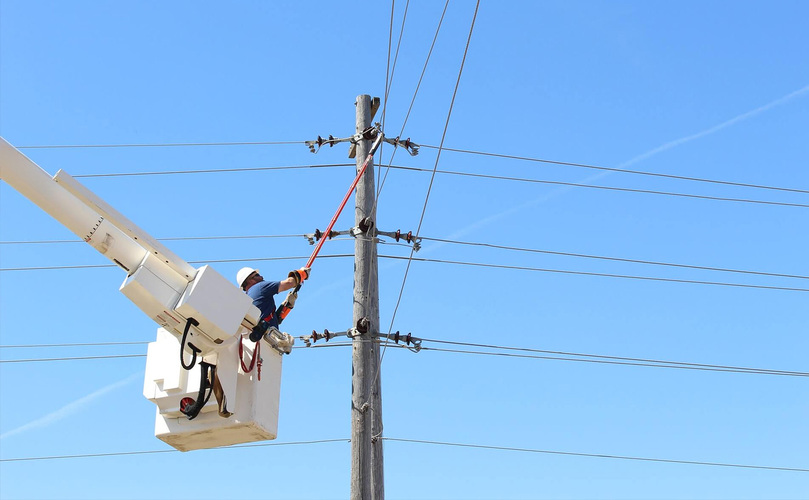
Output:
[[221, 399], [256, 356]]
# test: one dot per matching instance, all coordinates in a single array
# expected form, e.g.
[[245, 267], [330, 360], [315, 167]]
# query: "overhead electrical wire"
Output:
[[111, 356], [80, 344], [464, 243], [420, 441], [621, 170], [598, 455], [391, 69], [665, 364], [162, 145], [151, 452], [412, 102], [481, 153], [585, 273], [174, 238], [213, 170], [464, 174], [441, 261], [437, 159], [533, 354], [612, 188], [616, 259]]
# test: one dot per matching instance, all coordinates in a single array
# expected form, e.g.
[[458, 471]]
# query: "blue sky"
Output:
[[713, 90]]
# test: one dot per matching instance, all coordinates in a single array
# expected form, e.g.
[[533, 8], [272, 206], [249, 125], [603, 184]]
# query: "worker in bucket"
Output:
[[262, 292]]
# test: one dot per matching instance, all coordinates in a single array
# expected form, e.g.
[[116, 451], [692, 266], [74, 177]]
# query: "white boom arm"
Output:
[[160, 283]]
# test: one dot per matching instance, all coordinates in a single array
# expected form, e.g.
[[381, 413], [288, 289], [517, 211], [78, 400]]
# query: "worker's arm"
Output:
[[287, 284]]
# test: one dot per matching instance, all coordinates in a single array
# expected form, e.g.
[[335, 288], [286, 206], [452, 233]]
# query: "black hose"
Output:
[[194, 349]]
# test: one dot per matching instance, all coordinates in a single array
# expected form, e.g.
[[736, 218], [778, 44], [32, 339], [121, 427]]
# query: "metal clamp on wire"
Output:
[[318, 234], [408, 339], [331, 141], [366, 135], [409, 238], [364, 228], [410, 146], [314, 336]]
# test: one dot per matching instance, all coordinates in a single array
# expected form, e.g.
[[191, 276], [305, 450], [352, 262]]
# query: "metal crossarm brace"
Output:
[[397, 235]]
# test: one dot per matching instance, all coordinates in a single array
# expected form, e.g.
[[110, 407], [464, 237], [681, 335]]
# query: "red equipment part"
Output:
[[284, 310]]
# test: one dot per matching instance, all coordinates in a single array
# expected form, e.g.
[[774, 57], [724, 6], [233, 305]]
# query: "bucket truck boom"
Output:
[[199, 306]]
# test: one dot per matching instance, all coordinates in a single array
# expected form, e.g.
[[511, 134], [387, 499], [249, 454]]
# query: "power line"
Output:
[[466, 174], [550, 355], [596, 358], [214, 170], [598, 455], [621, 358], [437, 159], [623, 170], [585, 273], [176, 238], [419, 441], [438, 261], [220, 261], [660, 364], [412, 102], [151, 452], [114, 356], [85, 344], [455, 150], [617, 259], [162, 145], [457, 242], [610, 188]]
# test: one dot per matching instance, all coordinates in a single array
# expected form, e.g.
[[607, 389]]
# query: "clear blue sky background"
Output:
[[715, 90]]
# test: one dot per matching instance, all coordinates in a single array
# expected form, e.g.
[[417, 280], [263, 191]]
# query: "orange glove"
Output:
[[299, 275]]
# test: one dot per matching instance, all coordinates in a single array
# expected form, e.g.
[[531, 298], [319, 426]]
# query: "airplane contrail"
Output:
[[639, 158], [69, 408]]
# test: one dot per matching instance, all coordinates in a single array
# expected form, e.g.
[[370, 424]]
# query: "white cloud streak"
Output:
[[71, 408], [637, 159]]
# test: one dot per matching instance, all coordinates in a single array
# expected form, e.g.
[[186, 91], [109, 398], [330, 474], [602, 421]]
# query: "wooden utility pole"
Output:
[[367, 465]]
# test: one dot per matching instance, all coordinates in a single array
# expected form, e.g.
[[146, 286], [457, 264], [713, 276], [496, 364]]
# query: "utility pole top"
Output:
[[352, 151], [367, 471]]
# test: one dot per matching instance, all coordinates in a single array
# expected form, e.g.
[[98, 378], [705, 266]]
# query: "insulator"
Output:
[[362, 325], [366, 224]]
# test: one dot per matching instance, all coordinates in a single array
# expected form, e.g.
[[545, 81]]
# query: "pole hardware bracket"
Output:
[[318, 234], [411, 147], [409, 238], [313, 337], [368, 134], [407, 339], [366, 224], [363, 325]]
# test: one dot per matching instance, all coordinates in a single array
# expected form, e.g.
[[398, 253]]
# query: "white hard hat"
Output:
[[243, 274]]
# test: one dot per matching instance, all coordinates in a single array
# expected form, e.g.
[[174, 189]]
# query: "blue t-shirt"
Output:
[[262, 295]]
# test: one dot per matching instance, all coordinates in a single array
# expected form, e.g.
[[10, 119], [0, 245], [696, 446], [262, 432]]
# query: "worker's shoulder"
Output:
[[264, 287]]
